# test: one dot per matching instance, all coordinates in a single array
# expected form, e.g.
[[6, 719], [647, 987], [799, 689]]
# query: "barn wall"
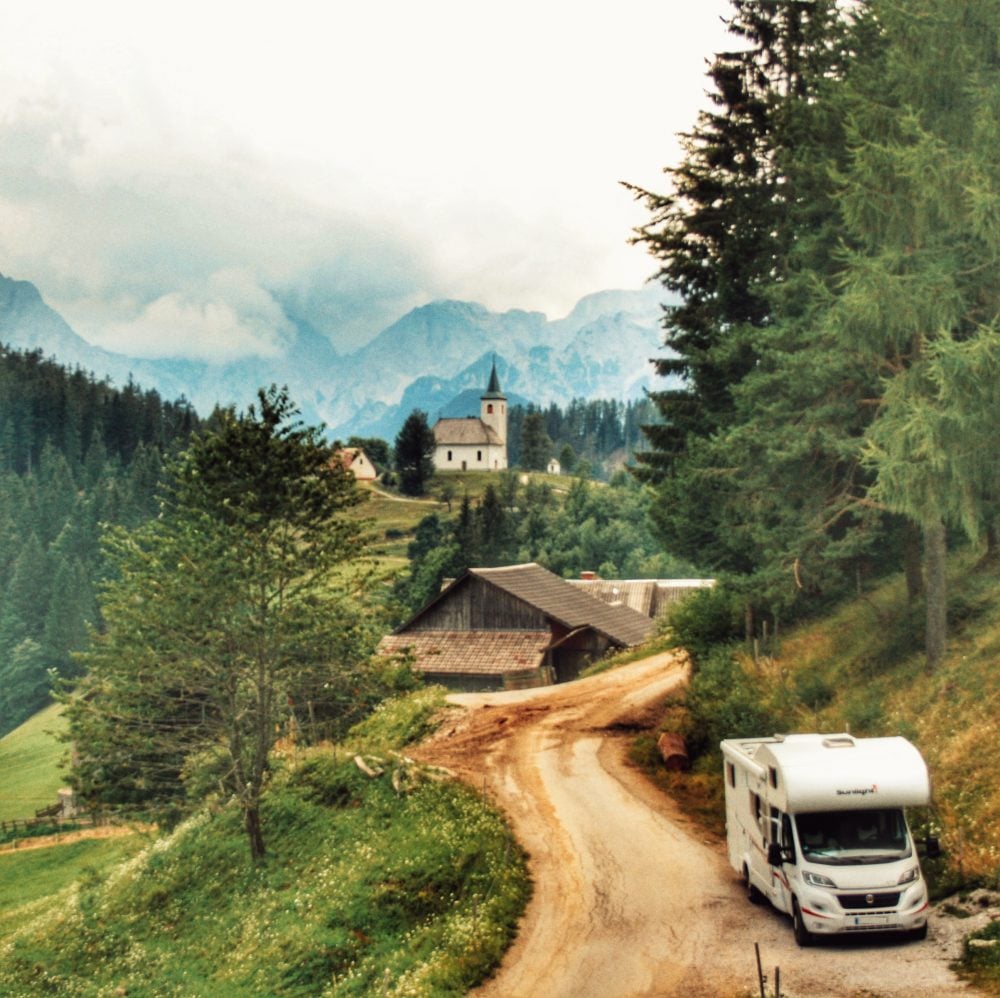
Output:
[[477, 606]]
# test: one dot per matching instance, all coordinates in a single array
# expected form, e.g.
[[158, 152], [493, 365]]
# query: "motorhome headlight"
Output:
[[817, 879], [908, 876]]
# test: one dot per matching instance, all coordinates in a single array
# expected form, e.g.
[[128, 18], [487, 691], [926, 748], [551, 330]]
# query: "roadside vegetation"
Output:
[[399, 883], [860, 667]]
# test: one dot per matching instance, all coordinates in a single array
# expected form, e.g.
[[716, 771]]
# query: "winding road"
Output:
[[630, 898]]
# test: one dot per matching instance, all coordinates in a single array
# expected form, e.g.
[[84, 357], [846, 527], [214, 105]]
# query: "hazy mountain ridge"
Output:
[[425, 360]]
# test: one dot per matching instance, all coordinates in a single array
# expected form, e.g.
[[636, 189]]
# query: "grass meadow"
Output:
[[405, 883]]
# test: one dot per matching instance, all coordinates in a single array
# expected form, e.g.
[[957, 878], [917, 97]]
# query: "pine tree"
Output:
[[414, 453]]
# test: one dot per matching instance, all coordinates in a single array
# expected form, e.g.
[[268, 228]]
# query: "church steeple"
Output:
[[493, 410], [493, 388]]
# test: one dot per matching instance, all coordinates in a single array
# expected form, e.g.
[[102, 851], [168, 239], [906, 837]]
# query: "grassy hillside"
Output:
[[399, 884], [30, 759], [861, 668]]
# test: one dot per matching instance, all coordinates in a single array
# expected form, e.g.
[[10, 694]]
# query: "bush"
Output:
[[724, 701], [706, 618]]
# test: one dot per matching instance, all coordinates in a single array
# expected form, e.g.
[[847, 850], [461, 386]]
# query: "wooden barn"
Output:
[[513, 628]]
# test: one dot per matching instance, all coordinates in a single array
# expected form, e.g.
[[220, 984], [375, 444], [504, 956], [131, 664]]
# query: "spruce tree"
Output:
[[414, 454]]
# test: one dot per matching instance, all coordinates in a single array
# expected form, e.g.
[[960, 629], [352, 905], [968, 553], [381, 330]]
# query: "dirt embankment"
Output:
[[629, 898]]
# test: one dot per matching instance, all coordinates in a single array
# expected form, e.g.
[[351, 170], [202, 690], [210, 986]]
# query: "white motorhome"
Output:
[[815, 824]]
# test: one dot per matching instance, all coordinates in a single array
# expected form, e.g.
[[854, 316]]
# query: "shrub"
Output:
[[724, 701], [706, 618]]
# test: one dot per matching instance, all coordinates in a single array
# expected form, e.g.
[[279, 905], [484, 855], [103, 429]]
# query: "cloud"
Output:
[[230, 316], [347, 163]]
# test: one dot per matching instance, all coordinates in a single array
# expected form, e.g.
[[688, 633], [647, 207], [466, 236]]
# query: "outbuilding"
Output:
[[513, 628]]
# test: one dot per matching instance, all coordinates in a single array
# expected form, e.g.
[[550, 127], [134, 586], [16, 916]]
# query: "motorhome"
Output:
[[815, 824]]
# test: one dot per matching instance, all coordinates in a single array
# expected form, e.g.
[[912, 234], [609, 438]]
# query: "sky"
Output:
[[186, 179]]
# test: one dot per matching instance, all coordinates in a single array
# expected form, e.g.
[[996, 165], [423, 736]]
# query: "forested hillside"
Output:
[[579, 527], [74, 453], [606, 433]]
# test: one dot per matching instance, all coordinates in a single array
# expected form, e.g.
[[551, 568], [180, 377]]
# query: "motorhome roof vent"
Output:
[[839, 741]]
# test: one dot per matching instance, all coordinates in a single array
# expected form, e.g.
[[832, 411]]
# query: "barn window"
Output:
[[479, 455], [449, 455]]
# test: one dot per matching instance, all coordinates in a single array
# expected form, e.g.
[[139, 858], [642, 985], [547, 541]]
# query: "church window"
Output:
[[489, 408]]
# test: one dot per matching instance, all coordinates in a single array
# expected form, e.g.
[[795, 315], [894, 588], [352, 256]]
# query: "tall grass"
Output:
[[373, 885]]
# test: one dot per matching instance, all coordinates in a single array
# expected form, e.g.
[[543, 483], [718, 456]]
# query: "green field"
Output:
[[30, 758]]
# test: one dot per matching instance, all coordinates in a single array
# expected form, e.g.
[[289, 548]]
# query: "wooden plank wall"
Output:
[[477, 606]]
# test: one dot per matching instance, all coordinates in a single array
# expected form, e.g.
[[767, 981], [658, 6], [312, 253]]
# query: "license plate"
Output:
[[871, 919]]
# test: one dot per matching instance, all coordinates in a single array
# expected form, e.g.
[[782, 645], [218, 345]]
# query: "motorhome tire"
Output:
[[802, 935], [754, 896]]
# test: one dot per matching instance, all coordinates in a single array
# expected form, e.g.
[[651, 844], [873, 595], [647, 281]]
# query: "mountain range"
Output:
[[436, 358]]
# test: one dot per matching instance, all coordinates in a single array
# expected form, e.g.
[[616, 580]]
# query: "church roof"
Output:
[[470, 430], [493, 388]]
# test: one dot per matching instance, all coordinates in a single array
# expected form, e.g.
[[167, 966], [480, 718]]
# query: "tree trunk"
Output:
[[251, 820], [912, 566], [935, 560]]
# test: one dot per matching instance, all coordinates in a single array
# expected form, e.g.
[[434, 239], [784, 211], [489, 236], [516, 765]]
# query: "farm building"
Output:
[[357, 462], [513, 628], [653, 597]]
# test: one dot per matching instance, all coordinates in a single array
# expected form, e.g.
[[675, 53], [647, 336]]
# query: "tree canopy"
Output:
[[832, 231], [232, 619]]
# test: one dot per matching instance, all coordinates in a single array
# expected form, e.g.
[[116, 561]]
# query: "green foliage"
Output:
[[603, 432], [702, 620], [724, 700], [536, 447], [235, 616], [371, 890], [590, 527], [68, 463], [980, 961], [414, 453]]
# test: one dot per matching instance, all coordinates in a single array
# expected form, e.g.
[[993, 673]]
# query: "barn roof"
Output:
[[469, 430], [486, 653], [570, 606], [648, 596]]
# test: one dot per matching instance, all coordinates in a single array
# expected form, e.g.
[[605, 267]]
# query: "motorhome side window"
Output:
[[731, 774], [774, 776]]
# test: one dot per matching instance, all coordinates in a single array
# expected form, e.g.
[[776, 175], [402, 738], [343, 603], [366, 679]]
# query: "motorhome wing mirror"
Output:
[[932, 848], [775, 854]]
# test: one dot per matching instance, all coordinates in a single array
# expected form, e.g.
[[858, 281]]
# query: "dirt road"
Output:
[[629, 898]]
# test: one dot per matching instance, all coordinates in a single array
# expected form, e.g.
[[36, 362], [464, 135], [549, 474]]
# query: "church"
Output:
[[475, 443]]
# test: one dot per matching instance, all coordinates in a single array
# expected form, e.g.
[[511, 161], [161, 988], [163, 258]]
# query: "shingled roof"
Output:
[[470, 653], [572, 607], [469, 430]]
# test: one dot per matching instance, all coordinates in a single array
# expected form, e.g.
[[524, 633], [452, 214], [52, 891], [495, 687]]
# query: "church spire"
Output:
[[493, 388]]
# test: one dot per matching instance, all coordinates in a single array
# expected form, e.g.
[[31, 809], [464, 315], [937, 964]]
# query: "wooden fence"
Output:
[[35, 826]]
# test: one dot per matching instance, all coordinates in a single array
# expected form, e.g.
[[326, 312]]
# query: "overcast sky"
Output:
[[171, 172]]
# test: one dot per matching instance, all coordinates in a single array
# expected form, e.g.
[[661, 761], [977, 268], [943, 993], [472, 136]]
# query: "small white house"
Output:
[[357, 462]]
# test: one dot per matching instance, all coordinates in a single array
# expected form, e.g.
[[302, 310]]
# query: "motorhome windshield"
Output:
[[848, 837]]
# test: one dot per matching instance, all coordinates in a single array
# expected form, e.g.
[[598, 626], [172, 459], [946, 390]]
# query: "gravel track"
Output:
[[631, 898]]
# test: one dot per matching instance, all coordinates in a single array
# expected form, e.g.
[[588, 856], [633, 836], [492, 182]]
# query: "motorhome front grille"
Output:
[[868, 902]]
